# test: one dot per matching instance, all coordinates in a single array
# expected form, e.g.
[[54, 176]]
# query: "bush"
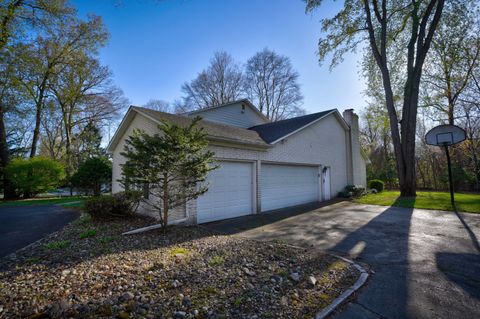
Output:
[[376, 184], [345, 194], [355, 190], [352, 191], [34, 175], [122, 204], [92, 174]]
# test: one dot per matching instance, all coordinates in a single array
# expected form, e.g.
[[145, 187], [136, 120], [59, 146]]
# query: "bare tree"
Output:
[[159, 105], [85, 94], [452, 59], [271, 84], [220, 83], [49, 55]]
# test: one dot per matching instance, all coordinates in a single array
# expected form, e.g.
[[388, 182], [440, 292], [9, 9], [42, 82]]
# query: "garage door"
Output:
[[285, 185], [230, 193]]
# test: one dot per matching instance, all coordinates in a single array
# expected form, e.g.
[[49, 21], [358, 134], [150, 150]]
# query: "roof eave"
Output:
[[120, 129], [215, 140], [129, 117]]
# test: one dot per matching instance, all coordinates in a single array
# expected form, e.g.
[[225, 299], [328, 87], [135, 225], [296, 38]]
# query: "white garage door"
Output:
[[230, 193], [284, 185]]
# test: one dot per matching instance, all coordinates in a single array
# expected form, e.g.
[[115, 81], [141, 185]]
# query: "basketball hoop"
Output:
[[446, 135]]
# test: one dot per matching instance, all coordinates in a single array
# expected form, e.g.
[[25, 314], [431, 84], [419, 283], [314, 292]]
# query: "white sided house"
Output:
[[264, 165]]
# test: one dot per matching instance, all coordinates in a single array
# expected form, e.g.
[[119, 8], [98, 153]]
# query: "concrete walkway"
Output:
[[426, 264], [23, 225]]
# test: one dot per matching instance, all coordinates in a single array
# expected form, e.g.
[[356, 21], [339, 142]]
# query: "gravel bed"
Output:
[[89, 270]]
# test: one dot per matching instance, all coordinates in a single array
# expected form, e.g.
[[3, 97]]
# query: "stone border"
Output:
[[347, 293]]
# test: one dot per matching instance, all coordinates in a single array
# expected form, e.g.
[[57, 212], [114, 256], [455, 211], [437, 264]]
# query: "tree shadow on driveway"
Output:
[[460, 268], [375, 235], [383, 244]]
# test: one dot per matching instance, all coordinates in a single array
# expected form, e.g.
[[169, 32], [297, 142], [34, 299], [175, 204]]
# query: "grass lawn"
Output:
[[75, 201], [427, 200]]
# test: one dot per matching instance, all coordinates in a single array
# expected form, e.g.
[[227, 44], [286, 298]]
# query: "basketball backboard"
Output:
[[445, 135]]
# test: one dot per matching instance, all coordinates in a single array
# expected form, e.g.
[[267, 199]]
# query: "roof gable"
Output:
[[276, 131], [239, 113]]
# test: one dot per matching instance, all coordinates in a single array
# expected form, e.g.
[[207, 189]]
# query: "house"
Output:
[[264, 165]]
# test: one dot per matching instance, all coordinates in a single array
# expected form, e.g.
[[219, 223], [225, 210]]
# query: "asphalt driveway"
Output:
[[23, 225], [425, 264]]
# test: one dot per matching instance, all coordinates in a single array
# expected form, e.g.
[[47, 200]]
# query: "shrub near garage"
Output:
[[352, 191], [122, 204], [376, 184]]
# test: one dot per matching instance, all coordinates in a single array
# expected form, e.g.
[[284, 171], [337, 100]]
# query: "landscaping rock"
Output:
[[295, 276], [139, 276], [127, 296], [179, 315]]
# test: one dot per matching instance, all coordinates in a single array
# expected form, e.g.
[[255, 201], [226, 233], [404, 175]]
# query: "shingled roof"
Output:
[[272, 132], [214, 131]]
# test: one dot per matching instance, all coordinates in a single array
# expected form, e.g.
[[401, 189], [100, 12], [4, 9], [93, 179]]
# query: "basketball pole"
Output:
[[450, 182]]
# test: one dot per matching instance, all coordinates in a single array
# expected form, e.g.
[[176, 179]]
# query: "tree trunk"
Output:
[[165, 202], [36, 130], [8, 189]]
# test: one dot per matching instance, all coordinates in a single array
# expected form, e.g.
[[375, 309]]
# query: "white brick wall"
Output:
[[323, 143]]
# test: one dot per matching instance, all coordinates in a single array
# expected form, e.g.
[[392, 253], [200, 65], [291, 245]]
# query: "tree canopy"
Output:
[[398, 35]]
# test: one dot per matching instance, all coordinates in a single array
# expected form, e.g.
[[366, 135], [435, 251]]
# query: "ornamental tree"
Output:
[[170, 166]]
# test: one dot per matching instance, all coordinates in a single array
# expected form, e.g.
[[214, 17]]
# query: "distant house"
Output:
[[263, 165]]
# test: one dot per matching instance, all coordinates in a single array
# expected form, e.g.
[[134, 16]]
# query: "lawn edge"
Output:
[[428, 209]]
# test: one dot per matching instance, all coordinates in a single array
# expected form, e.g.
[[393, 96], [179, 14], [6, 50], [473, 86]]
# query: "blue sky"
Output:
[[155, 46]]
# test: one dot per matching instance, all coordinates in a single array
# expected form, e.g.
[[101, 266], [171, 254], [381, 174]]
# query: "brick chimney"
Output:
[[354, 162]]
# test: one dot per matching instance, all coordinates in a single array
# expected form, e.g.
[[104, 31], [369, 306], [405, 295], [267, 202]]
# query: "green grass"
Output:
[[106, 239], [178, 251], [75, 201], [216, 261], [57, 244], [427, 200], [88, 233]]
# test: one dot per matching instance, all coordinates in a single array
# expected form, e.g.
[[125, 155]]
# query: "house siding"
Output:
[[232, 115], [323, 143]]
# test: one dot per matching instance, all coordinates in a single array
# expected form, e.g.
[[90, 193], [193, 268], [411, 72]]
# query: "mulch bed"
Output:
[[89, 270]]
